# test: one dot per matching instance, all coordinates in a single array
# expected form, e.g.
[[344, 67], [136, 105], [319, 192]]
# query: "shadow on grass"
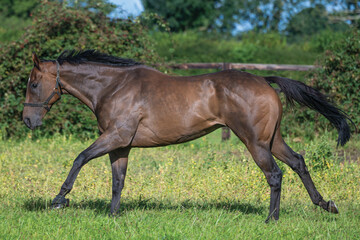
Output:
[[102, 207]]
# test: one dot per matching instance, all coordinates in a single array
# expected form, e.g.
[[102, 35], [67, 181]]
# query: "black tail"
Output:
[[305, 95]]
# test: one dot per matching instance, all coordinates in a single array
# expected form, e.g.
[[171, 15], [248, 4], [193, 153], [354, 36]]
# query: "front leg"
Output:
[[107, 142], [119, 161]]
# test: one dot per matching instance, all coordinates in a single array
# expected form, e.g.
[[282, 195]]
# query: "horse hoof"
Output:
[[272, 217], [59, 205], [332, 208], [59, 202]]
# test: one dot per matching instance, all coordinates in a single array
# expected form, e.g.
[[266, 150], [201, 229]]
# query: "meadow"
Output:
[[205, 189]]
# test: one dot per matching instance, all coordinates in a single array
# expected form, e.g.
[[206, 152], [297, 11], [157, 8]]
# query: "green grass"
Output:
[[203, 189]]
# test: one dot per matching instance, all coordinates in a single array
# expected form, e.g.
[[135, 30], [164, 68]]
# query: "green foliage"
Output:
[[100, 6], [251, 47], [228, 15], [309, 22], [14, 17], [323, 40], [196, 14], [54, 29], [339, 75], [12, 28], [320, 154], [18, 8], [266, 40], [266, 15]]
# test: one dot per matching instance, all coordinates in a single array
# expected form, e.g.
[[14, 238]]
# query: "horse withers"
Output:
[[138, 106]]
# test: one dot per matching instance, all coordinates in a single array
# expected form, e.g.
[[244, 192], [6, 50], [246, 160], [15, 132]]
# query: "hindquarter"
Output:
[[252, 108]]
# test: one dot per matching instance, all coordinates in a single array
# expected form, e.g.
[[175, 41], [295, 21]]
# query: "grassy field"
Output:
[[203, 189]]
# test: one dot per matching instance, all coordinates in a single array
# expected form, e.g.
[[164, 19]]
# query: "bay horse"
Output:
[[138, 106]]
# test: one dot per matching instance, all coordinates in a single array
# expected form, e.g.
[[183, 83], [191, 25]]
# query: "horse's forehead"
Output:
[[32, 74]]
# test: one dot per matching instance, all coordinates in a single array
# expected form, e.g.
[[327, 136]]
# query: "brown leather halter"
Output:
[[57, 90]]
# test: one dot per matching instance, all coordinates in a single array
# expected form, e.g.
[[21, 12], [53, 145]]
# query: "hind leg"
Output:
[[264, 159], [296, 162], [259, 147], [255, 126]]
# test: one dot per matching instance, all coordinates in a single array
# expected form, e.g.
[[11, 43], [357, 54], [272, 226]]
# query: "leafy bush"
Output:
[[319, 154], [339, 75], [192, 47], [322, 41], [267, 40], [11, 28], [54, 29]]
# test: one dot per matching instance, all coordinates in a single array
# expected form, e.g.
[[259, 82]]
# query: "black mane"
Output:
[[91, 55]]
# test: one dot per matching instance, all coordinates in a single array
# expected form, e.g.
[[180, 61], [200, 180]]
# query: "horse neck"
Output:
[[85, 82]]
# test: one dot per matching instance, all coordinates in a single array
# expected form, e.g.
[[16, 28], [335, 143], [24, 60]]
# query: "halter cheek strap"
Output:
[[57, 91]]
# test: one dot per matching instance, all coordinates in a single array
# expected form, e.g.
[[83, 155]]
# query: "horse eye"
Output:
[[34, 85]]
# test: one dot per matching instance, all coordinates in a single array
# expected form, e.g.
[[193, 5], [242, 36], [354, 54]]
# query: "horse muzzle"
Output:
[[32, 123]]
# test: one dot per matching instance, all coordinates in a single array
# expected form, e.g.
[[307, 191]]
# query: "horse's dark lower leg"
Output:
[[60, 201], [275, 184], [284, 153], [119, 160], [273, 174], [101, 146]]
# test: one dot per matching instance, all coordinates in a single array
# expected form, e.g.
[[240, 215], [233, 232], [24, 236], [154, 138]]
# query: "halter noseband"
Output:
[[57, 90]]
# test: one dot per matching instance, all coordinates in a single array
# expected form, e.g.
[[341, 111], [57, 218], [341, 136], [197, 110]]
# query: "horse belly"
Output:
[[151, 137]]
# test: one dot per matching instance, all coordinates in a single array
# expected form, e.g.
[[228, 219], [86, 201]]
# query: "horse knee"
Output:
[[275, 179], [77, 163], [80, 160]]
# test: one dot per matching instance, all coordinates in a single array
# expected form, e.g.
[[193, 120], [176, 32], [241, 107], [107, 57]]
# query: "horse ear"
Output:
[[36, 60]]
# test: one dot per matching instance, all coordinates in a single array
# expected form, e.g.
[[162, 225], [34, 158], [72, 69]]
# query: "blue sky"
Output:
[[130, 7]]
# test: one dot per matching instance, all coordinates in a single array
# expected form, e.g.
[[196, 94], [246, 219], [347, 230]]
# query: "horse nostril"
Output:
[[27, 122]]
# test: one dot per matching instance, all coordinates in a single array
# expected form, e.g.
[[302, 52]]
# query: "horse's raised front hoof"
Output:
[[332, 208], [59, 202]]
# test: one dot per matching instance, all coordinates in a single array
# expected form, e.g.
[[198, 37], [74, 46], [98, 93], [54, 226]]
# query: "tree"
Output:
[[103, 6], [350, 11], [201, 15], [264, 15], [311, 21], [225, 15], [18, 8]]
